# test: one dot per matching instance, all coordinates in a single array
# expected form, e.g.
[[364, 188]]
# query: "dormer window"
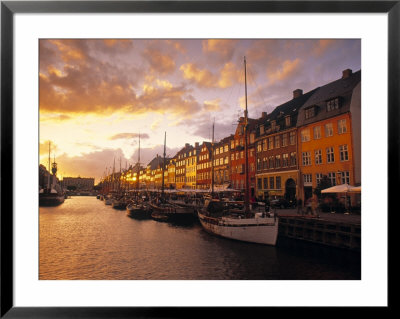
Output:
[[287, 120], [261, 129], [333, 104], [273, 125], [309, 112]]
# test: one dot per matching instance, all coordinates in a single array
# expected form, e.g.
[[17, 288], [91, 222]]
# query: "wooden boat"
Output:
[[138, 210], [248, 224]]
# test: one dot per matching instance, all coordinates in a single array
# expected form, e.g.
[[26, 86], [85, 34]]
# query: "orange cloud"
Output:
[[160, 63], [222, 49], [204, 78], [213, 105], [322, 46], [287, 69], [44, 148]]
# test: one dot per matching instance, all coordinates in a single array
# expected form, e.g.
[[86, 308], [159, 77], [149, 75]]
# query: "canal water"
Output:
[[83, 239]]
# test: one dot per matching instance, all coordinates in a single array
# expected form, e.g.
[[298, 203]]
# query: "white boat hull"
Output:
[[261, 230]]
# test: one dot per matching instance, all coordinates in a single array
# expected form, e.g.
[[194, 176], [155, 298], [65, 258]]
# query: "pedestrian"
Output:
[[314, 205], [299, 206]]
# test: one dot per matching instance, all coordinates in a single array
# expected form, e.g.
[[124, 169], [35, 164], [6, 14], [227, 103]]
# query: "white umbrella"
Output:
[[356, 189], [342, 188]]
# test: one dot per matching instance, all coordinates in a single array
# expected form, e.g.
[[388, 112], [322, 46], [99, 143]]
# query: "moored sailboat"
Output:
[[52, 195], [249, 225], [164, 211]]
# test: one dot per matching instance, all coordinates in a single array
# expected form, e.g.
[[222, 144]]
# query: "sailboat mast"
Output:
[[245, 127], [212, 161], [138, 168], [162, 186], [48, 178]]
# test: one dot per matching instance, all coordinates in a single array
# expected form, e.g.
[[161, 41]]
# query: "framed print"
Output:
[[196, 156]]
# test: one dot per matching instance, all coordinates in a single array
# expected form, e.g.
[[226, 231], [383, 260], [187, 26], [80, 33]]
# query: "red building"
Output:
[[238, 159]]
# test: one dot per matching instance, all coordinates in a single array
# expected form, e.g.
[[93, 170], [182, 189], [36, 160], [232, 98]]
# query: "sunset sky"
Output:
[[96, 96]]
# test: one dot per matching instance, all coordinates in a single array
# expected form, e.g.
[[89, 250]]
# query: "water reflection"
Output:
[[85, 239]]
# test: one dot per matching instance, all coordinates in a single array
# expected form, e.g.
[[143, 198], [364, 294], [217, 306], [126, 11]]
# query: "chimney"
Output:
[[264, 115], [346, 73], [297, 93], [187, 145], [196, 144]]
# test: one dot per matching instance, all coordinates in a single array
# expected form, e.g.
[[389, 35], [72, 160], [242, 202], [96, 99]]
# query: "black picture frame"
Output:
[[9, 8]]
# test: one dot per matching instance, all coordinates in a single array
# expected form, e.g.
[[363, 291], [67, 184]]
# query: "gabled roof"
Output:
[[279, 114], [342, 88], [157, 162]]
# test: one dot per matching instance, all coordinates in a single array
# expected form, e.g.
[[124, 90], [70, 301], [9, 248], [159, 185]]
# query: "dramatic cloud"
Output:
[[96, 95], [287, 69], [219, 49], [203, 78], [129, 136]]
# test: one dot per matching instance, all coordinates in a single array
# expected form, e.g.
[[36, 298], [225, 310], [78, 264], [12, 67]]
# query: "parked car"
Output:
[[282, 203]]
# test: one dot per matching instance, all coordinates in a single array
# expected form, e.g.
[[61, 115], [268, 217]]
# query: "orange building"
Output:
[[329, 134]]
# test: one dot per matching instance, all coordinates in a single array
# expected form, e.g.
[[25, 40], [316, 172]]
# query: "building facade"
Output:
[[276, 147], [81, 183], [203, 175], [330, 134], [238, 173]]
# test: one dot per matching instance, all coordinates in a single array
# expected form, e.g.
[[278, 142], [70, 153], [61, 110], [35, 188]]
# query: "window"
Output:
[[307, 178], [237, 155], [271, 183], [232, 144], [265, 163], [318, 156], [332, 105], [285, 160], [344, 154], [342, 127], [226, 160], [345, 178], [277, 161], [292, 137], [270, 143], [305, 135], [261, 129], [226, 148], [273, 125], [259, 183], [232, 157], [287, 120], [310, 112], [277, 141], [265, 144], [317, 132], [328, 130], [258, 163], [217, 151], [241, 154], [278, 182], [259, 147], [284, 140], [293, 159], [271, 162], [306, 158], [318, 178], [330, 155], [266, 183], [332, 178]]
